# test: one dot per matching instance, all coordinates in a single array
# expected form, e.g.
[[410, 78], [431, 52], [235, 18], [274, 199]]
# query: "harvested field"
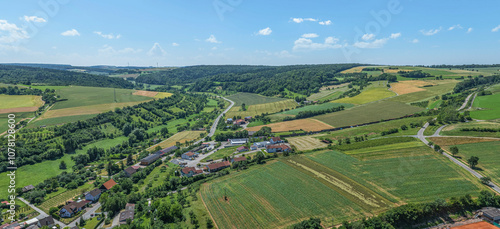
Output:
[[441, 87], [146, 93], [259, 109], [372, 112], [300, 124], [19, 103], [19, 109], [307, 142], [369, 95], [163, 95], [356, 69], [181, 137], [85, 110], [409, 86], [449, 141]]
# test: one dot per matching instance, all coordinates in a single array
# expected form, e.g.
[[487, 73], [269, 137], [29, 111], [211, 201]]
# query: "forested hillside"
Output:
[[265, 80], [27, 75]]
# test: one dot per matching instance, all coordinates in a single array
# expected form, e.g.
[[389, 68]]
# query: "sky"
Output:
[[256, 32]]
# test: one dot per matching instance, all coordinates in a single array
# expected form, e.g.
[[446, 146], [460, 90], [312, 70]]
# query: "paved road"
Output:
[[42, 213], [453, 159], [214, 125], [466, 101], [86, 215], [473, 98], [436, 134]]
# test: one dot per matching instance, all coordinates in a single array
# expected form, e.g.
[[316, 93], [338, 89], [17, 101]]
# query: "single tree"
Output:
[[130, 160], [473, 161], [485, 180], [62, 165], [454, 150]]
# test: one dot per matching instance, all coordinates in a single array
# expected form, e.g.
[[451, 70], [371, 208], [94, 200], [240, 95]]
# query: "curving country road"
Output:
[[421, 136], [214, 125], [466, 101]]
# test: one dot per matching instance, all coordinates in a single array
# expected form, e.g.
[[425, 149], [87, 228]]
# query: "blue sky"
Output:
[[180, 32]]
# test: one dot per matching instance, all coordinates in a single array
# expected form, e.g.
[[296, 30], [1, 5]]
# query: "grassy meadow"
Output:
[[489, 107], [251, 99]]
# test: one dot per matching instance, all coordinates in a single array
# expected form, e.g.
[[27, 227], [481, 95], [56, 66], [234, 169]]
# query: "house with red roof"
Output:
[[276, 140], [107, 185], [278, 148], [242, 149], [190, 172], [217, 166], [238, 159]]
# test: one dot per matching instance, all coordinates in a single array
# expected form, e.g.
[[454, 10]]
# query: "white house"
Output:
[[257, 145], [238, 141], [93, 195], [276, 140]]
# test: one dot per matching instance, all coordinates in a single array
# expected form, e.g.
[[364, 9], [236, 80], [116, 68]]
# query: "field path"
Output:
[[466, 101], [453, 159]]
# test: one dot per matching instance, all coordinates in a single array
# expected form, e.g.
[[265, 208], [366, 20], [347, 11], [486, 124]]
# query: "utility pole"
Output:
[[114, 92]]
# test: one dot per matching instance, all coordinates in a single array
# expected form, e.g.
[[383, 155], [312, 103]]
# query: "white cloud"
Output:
[[496, 29], [469, 30], [430, 32], [71, 33], [214, 48], [307, 44], [10, 33], [328, 22], [300, 20], [34, 19], [310, 35], [378, 43], [108, 50], [455, 27], [212, 39], [108, 36], [157, 50], [395, 35], [175, 44], [414, 41], [368, 36], [265, 32]]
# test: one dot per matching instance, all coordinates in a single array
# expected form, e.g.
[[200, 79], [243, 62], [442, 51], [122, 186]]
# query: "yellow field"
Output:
[[19, 103], [181, 137], [355, 69], [153, 94], [85, 110], [306, 142], [301, 124], [369, 95], [409, 86], [259, 109], [161, 95]]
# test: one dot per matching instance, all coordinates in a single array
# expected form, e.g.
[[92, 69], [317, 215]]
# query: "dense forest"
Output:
[[264, 80], [12, 74]]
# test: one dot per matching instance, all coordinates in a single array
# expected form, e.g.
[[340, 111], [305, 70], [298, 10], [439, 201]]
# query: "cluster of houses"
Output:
[[157, 155], [35, 223], [239, 122], [210, 168], [73, 207], [274, 145], [194, 153]]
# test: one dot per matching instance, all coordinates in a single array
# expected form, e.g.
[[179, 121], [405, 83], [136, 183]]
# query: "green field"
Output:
[[16, 101], [259, 109], [85, 96], [272, 196], [251, 99], [64, 196], [414, 174], [368, 113], [34, 174], [60, 120], [19, 116], [455, 129], [221, 153], [367, 96], [490, 107], [488, 157], [323, 106], [443, 87], [327, 94]]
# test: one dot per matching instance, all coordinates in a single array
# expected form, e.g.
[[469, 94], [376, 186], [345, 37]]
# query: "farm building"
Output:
[[93, 195], [72, 208], [248, 118], [190, 172], [238, 159], [491, 214], [239, 122], [127, 214], [150, 159], [46, 221], [276, 140], [242, 149], [167, 151], [108, 185], [257, 145], [189, 155], [131, 170], [217, 166], [238, 141], [278, 148], [28, 188]]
